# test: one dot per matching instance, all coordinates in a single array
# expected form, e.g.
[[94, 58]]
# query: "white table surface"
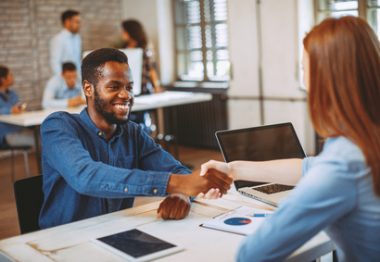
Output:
[[72, 242], [142, 103]]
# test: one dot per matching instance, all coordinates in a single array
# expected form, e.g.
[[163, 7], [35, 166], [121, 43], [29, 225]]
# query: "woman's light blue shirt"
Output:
[[336, 195]]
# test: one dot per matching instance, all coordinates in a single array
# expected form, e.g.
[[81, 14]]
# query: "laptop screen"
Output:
[[260, 143]]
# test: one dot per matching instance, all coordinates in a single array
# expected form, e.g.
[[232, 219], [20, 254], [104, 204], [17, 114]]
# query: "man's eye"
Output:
[[114, 87]]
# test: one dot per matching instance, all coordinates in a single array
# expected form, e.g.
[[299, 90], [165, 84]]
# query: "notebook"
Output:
[[261, 143]]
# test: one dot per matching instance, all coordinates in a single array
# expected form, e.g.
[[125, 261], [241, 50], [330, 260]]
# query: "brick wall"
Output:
[[26, 27]]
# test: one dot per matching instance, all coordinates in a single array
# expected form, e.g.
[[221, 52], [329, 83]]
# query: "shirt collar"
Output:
[[85, 117], [68, 33]]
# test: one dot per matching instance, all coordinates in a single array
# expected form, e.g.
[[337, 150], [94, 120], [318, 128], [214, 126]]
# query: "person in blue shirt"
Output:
[[66, 46], [10, 104], [337, 191], [97, 161], [63, 90]]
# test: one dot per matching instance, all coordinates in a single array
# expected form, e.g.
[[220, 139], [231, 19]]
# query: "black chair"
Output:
[[13, 149], [29, 198]]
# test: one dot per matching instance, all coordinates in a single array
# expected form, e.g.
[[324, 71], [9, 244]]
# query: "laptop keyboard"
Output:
[[273, 188]]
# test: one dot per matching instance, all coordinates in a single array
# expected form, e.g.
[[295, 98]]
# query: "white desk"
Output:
[[142, 103], [71, 242]]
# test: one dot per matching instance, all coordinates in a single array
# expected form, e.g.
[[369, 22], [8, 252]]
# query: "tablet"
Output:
[[136, 245]]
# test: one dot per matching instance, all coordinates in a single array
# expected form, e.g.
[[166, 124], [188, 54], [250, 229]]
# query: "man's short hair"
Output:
[[68, 66], [68, 14], [93, 63]]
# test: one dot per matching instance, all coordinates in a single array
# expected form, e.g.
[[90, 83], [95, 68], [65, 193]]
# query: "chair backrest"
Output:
[[29, 198]]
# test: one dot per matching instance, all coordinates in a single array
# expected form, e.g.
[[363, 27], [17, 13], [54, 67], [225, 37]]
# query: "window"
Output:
[[201, 40], [367, 9]]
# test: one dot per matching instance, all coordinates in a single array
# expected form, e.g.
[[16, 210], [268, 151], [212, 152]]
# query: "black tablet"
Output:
[[136, 245]]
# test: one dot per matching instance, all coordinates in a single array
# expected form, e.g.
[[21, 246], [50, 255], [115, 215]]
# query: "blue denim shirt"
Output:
[[7, 101], [336, 195], [84, 175]]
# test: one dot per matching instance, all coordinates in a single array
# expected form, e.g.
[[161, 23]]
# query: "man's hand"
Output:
[[223, 167], [175, 206], [194, 184], [18, 108], [76, 101]]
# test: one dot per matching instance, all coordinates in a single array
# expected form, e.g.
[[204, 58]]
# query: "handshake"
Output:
[[213, 181]]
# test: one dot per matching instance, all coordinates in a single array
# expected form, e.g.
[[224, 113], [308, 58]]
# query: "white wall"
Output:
[[280, 56]]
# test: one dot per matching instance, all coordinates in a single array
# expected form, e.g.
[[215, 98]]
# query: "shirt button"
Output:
[[126, 190], [155, 191], [100, 133]]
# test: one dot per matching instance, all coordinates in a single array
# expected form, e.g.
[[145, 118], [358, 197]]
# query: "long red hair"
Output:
[[344, 90]]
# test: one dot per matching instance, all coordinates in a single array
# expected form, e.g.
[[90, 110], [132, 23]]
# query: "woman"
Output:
[[134, 36], [339, 190]]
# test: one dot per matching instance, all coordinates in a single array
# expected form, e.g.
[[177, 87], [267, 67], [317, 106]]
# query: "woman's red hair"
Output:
[[344, 91]]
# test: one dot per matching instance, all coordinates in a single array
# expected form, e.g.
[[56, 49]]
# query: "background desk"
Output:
[[34, 119], [72, 242]]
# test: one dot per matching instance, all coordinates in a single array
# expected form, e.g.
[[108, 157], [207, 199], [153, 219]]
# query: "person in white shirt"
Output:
[[64, 90], [66, 45]]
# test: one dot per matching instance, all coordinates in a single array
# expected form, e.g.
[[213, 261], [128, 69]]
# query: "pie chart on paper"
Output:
[[238, 221]]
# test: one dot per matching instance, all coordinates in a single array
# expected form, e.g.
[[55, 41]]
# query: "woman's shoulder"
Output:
[[343, 153]]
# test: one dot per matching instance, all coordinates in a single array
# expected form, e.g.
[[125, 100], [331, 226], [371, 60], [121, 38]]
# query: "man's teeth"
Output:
[[124, 107]]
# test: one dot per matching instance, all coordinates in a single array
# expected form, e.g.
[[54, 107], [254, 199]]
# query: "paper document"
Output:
[[243, 220]]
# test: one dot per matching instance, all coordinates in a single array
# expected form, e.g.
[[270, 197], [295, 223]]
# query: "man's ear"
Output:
[[88, 88]]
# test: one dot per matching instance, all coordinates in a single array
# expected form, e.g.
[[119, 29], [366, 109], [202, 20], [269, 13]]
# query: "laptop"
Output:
[[262, 143]]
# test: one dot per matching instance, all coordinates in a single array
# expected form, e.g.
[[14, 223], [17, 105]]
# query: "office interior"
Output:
[[253, 55]]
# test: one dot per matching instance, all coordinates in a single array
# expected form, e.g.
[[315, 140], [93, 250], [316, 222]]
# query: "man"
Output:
[[10, 104], [66, 45], [63, 90], [96, 162]]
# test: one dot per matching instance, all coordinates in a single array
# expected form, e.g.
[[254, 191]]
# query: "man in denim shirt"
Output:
[[96, 162]]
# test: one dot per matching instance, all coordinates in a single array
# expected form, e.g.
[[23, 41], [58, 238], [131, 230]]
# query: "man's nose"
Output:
[[125, 94]]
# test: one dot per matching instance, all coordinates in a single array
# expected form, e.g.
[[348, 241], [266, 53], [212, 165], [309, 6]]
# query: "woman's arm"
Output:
[[284, 171]]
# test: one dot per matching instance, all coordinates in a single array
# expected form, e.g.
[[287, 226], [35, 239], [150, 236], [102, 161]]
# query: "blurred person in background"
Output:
[[11, 135], [66, 45], [64, 90]]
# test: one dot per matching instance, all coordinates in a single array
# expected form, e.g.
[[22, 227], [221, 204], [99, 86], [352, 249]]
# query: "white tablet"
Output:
[[136, 245]]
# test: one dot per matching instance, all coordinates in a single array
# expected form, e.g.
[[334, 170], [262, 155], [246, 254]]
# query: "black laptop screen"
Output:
[[260, 143]]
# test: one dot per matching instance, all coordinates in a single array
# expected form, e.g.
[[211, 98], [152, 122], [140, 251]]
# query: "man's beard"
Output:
[[110, 117]]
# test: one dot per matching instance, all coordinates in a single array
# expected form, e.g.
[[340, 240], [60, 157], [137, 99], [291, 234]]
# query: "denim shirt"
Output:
[[7, 101], [336, 195], [84, 175]]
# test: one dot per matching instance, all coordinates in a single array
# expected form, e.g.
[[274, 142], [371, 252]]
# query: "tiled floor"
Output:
[[8, 214]]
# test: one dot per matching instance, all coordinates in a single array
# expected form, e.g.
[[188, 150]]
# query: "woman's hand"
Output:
[[222, 167]]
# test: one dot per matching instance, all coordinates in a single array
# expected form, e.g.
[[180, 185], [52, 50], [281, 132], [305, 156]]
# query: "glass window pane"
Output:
[[194, 37], [337, 5], [373, 3], [374, 19]]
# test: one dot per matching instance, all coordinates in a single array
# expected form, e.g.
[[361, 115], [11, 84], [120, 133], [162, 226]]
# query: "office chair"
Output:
[[13, 149], [29, 198]]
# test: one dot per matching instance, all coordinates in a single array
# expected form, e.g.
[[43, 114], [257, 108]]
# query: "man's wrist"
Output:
[[174, 184]]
